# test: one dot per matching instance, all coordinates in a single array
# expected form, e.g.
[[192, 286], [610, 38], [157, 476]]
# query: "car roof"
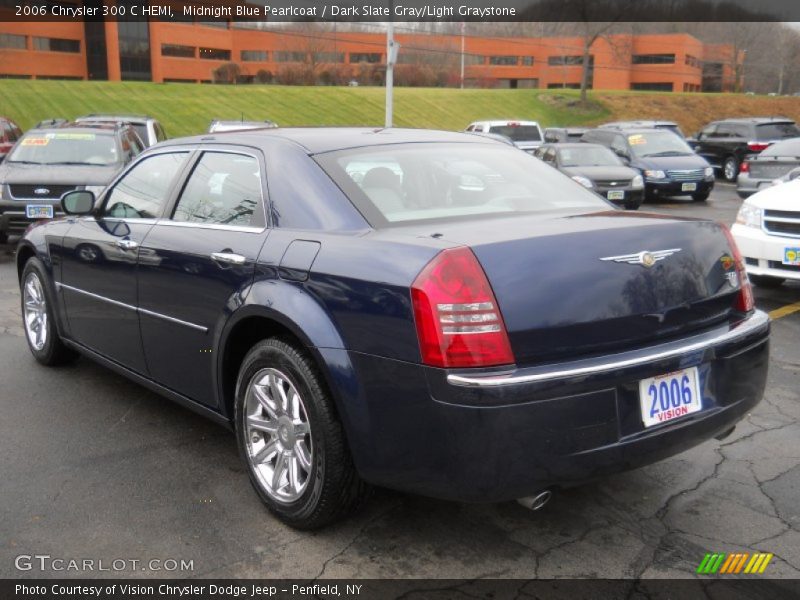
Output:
[[757, 120], [638, 123], [316, 140], [77, 128], [495, 122], [126, 118], [567, 145]]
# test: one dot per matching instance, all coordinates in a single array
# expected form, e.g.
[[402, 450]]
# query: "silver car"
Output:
[[763, 169]]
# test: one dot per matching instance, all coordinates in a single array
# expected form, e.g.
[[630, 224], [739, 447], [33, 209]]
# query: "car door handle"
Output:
[[127, 244], [228, 258]]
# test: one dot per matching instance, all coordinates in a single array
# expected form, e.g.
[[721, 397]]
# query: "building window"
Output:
[[503, 60], [56, 45], [527, 61], [218, 24], [471, 59], [254, 56], [367, 57], [215, 54], [289, 56], [569, 61], [177, 50], [565, 86], [9, 40], [134, 50], [665, 86], [692, 61], [329, 57], [653, 59]]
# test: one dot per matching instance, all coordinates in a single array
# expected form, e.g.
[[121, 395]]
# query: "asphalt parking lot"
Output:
[[93, 466]]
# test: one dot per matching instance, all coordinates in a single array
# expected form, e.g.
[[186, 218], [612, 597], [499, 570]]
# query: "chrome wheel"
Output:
[[279, 447], [35, 311], [729, 169]]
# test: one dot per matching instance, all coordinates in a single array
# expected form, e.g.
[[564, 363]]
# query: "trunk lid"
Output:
[[566, 286]]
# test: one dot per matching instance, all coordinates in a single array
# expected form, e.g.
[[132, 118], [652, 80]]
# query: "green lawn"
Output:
[[187, 109]]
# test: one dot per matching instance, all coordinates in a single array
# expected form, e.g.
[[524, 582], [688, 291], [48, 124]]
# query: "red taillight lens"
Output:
[[744, 300], [757, 146], [745, 167], [458, 321]]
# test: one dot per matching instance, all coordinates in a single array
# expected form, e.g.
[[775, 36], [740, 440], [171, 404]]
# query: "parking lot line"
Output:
[[784, 311]]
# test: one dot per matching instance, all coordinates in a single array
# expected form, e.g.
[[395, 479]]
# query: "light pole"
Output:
[[391, 56], [463, 24]]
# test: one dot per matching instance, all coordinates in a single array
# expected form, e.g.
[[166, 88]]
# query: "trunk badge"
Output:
[[646, 258], [41, 191]]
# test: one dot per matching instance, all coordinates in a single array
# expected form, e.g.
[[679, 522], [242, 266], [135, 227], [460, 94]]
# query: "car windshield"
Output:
[[588, 156], [658, 143], [673, 128], [776, 131], [421, 182], [64, 147], [518, 133]]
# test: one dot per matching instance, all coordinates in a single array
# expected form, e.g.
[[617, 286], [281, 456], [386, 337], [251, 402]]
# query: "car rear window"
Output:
[[776, 131], [420, 182], [518, 133]]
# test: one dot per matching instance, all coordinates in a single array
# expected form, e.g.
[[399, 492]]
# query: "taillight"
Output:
[[744, 167], [744, 300], [757, 146], [458, 321]]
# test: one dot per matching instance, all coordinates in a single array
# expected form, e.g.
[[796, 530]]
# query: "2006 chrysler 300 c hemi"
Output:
[[427, 311]]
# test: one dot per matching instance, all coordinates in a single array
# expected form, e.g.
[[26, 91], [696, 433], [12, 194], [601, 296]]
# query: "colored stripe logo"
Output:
[[734, 563]]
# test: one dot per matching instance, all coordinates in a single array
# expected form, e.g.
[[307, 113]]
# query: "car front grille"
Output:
[[782, 222], [759, 170], [44, 191], [613, 182], [774, 264], [686, 174]]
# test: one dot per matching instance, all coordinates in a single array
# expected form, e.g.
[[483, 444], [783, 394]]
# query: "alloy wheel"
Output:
[[730, 169], [279, 445], [35, 311]]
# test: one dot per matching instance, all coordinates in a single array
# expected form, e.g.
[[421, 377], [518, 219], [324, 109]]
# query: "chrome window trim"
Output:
[[239, 228], [135, 309], [757, 321]]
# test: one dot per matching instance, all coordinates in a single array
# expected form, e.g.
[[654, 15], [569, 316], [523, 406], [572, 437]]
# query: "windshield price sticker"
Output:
[[35, 141], [636, 140], [72, 136]]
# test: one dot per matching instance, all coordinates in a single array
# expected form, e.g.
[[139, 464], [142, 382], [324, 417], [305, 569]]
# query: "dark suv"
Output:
[[726, 144], [668, 164], [9, 134], [46, 163]]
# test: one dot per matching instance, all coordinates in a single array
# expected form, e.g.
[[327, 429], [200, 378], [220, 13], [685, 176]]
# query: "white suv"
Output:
[[767, 231], [526, 135]]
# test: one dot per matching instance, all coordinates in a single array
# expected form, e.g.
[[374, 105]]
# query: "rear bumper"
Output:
[[764, 253], [747, 186], [504, 435]]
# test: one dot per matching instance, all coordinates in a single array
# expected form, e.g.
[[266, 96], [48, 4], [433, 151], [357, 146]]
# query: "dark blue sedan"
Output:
[[426, 311]]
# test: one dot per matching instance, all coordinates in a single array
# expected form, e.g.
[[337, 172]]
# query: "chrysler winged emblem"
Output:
[[646, 258]]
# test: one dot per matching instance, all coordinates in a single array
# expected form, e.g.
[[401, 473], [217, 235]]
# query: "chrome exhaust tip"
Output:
[[536, 502]]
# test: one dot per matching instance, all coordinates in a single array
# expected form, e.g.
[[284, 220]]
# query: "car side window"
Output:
[[142, 191], [708, 131], [618, 144], [223, 189]]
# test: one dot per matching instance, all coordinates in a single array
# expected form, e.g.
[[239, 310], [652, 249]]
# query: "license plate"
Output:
[[616, 195], [688, 187], [791, 256], [669, 397], [39, 211]]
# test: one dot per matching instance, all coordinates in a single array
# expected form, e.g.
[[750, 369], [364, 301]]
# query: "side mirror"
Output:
[[77, 202]]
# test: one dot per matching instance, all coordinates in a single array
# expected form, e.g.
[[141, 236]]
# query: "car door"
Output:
[[99, 259], [196, 265], [703, 144]]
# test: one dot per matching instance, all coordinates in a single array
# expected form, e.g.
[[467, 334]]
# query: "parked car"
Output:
[[55, 122], [218, 126], [480, 328], [526, 135], [767, 230], [149, 129], [598, 169], [47, 163], [645, 124], [669, 165], [9, 134], [763, 169], [728, 143], [556, 135]]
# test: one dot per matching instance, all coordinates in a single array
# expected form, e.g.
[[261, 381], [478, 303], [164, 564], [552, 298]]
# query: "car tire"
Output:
[[766, 281], [700, 196], [38, 317], [633, 205], [299, 436], [730, 169]]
